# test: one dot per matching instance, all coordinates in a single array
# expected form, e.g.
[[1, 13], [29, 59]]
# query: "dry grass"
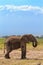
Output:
[[20, 62], [34, 55]]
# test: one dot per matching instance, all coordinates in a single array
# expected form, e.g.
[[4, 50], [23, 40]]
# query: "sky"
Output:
[[19, 17]]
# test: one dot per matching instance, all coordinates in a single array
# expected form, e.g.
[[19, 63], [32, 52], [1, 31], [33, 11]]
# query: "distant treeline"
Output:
[[39, 36], [9, 36], [21, 35]]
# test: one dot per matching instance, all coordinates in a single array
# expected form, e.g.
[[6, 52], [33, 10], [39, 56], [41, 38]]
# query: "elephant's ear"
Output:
[[24, 39]]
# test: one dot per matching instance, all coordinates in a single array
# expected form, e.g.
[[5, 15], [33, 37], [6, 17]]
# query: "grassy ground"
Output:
[[2, 40], [18, 61]]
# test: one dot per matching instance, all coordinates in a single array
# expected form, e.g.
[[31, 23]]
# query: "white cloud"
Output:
[[12, 8]]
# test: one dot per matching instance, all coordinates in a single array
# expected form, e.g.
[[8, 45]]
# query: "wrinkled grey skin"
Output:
[[15, 42]]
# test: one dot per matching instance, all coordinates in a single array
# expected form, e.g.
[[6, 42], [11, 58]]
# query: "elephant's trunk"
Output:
[[34, 44]]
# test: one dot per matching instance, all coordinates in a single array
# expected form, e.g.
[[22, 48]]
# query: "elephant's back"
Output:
[[13, 39]]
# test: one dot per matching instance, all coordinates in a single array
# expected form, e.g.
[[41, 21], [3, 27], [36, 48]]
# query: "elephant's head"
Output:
[[32, 39], [29, 38]]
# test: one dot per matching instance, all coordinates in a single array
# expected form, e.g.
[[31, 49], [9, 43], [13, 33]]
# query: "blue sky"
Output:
[[21, 17]]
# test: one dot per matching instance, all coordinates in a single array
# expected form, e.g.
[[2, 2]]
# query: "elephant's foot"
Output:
[[23, 57], [7, 56]]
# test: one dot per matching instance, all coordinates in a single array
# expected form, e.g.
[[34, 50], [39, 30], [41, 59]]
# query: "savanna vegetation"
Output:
[[18, 61]]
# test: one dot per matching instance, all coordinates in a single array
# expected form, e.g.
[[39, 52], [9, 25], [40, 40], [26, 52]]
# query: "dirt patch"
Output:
[[31, 54]]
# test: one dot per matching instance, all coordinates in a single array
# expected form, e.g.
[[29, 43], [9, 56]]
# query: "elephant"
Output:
[[16, 42]]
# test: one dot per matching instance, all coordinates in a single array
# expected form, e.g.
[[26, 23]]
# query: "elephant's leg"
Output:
[[7, 54], [23, 50]]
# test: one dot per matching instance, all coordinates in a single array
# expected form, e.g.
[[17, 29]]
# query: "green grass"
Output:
[[2, 40]]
